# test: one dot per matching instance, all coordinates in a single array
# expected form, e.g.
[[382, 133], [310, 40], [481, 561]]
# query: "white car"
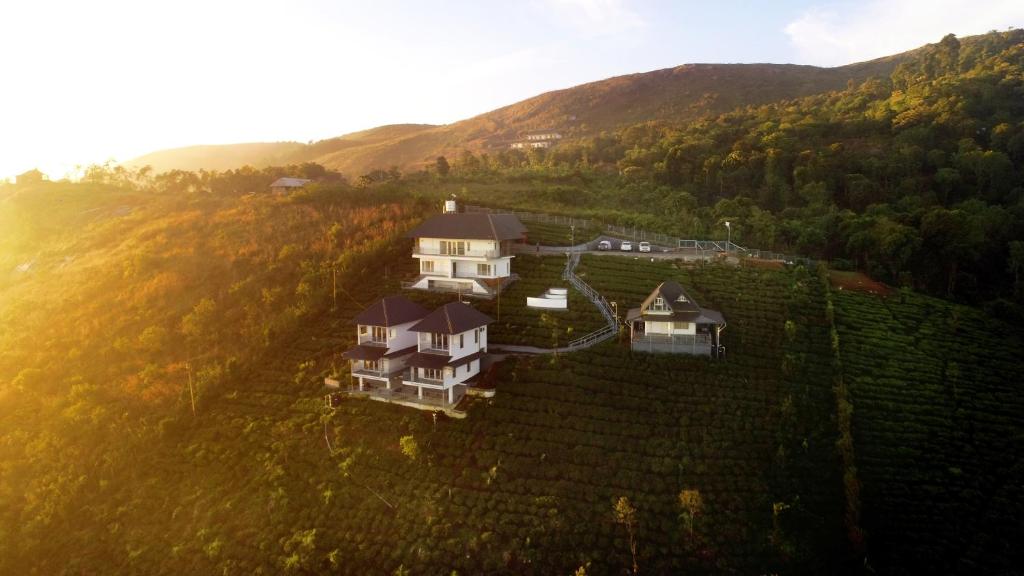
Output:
[[644, 247], [626, 246], [604, 245]]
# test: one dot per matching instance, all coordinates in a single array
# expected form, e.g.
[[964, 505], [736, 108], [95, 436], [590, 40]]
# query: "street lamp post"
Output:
[[728, 243]]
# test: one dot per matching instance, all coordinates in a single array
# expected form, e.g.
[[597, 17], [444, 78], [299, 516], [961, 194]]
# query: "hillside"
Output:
[[219, 157], [106, 469], [674, 95]]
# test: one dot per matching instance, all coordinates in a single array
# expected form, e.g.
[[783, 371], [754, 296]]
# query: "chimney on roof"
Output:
[[449, 206]]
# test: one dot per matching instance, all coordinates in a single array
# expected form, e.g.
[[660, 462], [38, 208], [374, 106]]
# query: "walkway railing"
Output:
[[611, 328]]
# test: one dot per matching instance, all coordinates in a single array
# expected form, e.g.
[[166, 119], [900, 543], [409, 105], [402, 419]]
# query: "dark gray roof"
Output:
[[684, 308], [287, 182], [452, 318], [674, 295], [428, 360], [470, 226], [362, 352], [391, 311]]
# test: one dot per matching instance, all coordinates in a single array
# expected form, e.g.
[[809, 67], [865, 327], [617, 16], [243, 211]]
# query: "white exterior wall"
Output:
[[468, 347], [397, 337], [668, 328], [463, 265]]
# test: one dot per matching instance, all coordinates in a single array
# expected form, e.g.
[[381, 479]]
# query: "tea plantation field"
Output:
[[938, 422], [267, 480]]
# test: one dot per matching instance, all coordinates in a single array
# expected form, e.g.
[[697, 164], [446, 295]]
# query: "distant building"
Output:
[[537, 139], [470, 253], [286, 185], [670, 321], [32, 176]]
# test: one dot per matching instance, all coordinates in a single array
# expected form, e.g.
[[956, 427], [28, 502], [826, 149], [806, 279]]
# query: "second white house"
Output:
[[469, 253]]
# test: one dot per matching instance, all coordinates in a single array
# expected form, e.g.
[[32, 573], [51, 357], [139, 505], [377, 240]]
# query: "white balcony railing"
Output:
[[425, 251]]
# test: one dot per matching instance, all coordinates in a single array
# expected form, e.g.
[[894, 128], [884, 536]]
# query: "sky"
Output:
[[88, 82]]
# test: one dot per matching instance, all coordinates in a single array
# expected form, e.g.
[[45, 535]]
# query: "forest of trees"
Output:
[[917, 179]]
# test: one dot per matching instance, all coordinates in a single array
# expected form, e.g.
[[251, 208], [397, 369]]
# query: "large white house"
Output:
[[385, 341], [670, 321], [451, 344], [470, 253]]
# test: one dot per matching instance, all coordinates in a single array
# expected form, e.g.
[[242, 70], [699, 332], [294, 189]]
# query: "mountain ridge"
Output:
[[678, 94]]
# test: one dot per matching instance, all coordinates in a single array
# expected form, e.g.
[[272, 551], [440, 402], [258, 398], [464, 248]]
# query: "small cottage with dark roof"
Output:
[[469, 253], [669, 320], [451, 345], [384, 341]]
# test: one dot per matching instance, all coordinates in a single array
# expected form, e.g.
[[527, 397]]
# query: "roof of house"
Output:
[[364, 352], [290, 182], [436, 361], [452, 318], [391, 311], [470, 226], [684, 308]]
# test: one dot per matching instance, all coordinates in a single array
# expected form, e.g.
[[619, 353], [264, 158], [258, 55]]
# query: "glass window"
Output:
[[371, 365], [682, 325], [484, 270], [462, 340], [438, 341], [426, 265], [380, 334], [432, 374]]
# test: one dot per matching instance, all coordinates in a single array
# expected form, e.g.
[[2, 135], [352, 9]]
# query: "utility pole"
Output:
[[191, 393]]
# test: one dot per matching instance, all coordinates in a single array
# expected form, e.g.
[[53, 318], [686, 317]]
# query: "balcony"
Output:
[[423, 251], [699, 344]]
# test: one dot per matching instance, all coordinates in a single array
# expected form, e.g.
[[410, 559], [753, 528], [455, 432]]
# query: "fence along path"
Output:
[[639, 234], [609, 330]]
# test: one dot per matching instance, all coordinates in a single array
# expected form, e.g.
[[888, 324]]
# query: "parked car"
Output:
[[626, 246], [644, 247], [604, 245]]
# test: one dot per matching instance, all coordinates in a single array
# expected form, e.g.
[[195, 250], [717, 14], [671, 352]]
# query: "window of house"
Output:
[[453, 248], [426, 265], [380, 334], [391, 334], [476, 336], [438, 341], [362, 330], [432, 374], [484, 270], [371, 365], [462, 340], [659, 305], [682, 325]]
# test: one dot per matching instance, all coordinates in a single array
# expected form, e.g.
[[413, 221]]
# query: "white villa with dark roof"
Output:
[[670, 321], [470, 253], [451, 345], [385, 341]]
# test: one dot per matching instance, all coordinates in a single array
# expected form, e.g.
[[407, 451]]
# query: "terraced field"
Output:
[[266, 479], [938, 420], [552, 234]]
